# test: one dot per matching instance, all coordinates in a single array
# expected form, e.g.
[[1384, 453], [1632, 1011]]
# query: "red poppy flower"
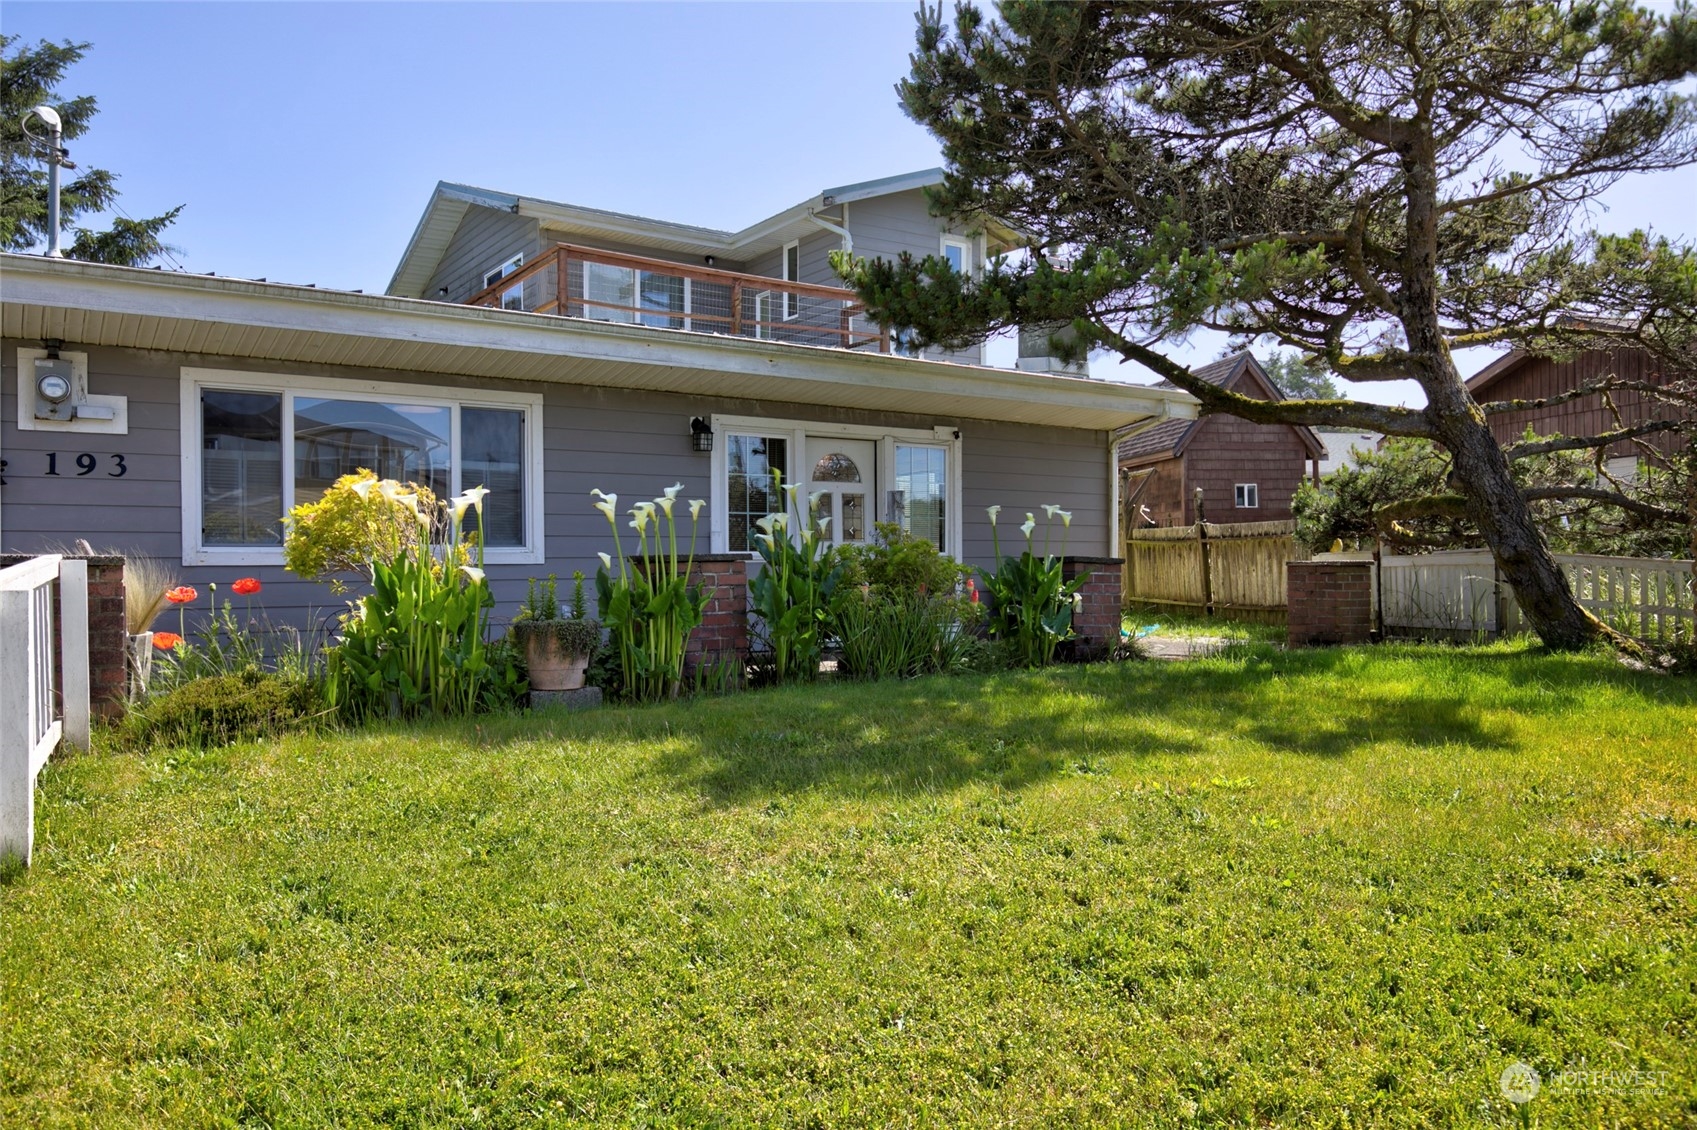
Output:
[[246, 586], [165, 641], [182, 594]]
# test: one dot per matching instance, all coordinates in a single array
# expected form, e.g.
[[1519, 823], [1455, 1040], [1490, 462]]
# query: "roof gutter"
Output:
[[840, 231]]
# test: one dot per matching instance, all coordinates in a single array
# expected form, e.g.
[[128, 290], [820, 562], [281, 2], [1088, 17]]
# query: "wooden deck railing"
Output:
[[584, 282]]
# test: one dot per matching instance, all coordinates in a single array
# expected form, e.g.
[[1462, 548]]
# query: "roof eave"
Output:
[[93, 304]]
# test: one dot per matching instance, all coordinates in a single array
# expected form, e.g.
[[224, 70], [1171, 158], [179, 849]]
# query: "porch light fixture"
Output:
[[709, 260], [700, 434]]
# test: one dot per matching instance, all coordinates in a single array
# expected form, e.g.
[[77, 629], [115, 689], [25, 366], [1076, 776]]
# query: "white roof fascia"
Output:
[[127, 307], [429, 242]]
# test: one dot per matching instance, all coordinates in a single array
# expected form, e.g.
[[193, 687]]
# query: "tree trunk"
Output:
[[1505, 522]]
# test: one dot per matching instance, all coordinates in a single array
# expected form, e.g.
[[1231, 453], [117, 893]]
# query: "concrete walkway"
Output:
[[1182, 647]]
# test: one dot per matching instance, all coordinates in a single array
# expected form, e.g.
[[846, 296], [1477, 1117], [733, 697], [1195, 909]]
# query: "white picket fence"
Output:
[[1460, 592], [32, 719]]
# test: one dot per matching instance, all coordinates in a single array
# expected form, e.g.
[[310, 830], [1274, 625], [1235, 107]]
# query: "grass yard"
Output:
[[1335, 888]]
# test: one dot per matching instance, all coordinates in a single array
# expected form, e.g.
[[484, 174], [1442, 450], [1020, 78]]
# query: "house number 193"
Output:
[[86, 464]]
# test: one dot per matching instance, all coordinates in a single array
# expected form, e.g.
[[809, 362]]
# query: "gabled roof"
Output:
[[449, 202], [1497, 370], [1168, 439]]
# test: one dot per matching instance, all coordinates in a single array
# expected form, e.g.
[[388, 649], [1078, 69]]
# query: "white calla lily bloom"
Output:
[[673, 491], [1066, 518], [1028, 525], [475, 496], [992, 511], [606, 561], [473, 572], [363, 488], [695, 505], [665, 505], [1050, 510]]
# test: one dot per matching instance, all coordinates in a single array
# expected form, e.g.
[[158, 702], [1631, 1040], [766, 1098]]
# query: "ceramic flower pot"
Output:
[[552, 667]]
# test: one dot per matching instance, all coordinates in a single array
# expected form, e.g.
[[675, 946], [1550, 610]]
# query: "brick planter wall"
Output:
[[1095, 623], [108, 675], [1330, 602], [724, 624]]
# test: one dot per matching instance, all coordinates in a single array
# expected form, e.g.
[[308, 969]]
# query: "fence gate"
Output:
[[33, 718]]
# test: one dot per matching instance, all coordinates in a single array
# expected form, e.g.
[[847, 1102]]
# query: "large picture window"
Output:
[[262, 450]]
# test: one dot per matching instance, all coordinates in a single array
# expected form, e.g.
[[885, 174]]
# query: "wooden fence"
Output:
[[1460, 592], [1211, 568], [33, 717]]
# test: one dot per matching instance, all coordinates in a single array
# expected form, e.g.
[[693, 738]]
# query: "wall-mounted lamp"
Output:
[[709, 260], [700, 434]]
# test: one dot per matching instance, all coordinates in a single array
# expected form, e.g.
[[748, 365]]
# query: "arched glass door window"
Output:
[[838, 476]]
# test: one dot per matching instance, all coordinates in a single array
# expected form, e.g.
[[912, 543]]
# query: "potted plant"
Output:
[[557, 648]]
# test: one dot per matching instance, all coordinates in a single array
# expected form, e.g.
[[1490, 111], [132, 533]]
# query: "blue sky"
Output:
[[304, 138]]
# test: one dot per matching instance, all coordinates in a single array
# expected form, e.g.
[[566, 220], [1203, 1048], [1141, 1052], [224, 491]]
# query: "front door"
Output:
[[845, 471]]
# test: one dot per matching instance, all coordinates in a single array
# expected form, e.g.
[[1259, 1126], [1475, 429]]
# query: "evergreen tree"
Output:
[[1372, 183], [1300, 379], [30, 77]]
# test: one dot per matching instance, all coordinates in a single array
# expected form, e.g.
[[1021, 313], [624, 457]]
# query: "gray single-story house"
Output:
[[542, 351]]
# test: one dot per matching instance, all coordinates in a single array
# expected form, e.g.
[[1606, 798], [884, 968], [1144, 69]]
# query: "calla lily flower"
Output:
[[363, 488], [1050, 510], [813, 499], [672, 492], [1066, 518], [475, 495], [1028, 525], [458, 506], [606, 561], [824, 523], [992, 511], [791, 490], [607, 509], [473, 572], [695, 505], [665, 505], [598, 493]]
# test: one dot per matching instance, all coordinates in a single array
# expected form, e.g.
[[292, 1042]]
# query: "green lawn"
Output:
[[1336, 888]]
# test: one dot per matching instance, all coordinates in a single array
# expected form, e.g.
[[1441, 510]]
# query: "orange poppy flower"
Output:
[[165, 641], [246, 586], [182, 594]]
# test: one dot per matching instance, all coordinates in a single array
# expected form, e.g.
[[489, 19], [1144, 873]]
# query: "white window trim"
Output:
[[290, 385], [791, 303], [1246, 490], [490, 278], [795, 433], [968, 256]]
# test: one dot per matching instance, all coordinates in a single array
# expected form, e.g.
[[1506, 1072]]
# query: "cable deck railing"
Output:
[[609, 286]]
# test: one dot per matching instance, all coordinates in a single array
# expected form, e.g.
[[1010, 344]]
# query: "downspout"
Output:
[[835, 228]]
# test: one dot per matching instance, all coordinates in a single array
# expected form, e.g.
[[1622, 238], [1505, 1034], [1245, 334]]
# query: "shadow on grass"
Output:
[[1019, 729]]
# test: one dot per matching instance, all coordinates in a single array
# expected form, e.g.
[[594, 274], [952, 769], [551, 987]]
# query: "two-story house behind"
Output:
[[1247, 472], [541, 350], [770, 280]]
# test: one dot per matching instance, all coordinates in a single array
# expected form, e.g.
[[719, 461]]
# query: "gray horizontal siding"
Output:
[[885, 226], [486, 238], [632, 443]]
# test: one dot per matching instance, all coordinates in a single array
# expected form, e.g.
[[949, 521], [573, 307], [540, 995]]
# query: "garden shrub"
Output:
[[220, 709], [899, 611]]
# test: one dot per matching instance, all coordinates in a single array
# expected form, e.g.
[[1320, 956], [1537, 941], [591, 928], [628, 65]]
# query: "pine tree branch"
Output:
[[1613, 498], [1602, 439]]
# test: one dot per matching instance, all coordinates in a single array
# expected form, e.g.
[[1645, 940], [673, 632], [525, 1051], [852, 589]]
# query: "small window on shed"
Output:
[[1248, 496]]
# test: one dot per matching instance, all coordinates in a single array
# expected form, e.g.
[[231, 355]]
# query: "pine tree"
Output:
[[1373, 184], [30, 77]]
